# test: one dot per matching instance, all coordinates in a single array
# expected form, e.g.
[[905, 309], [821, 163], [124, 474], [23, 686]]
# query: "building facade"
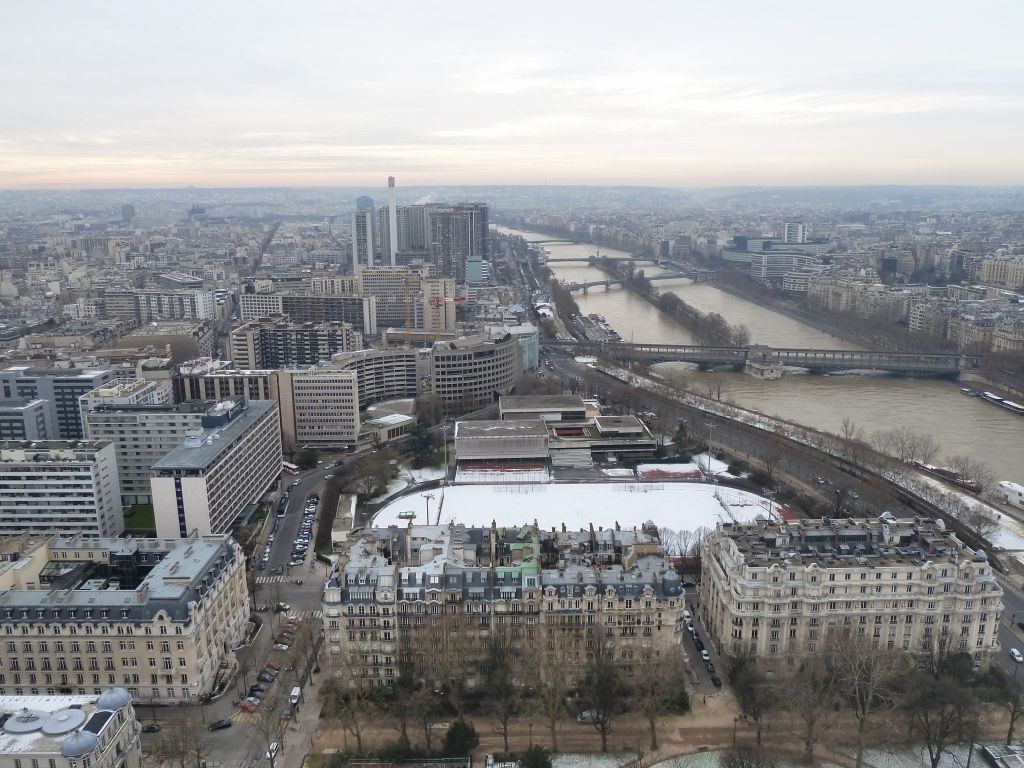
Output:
[[276, 342], [359, 311], [59, 486], [142, 435], [206, 483], [22, 419], [784, 589], [435, 596], [158, 617]]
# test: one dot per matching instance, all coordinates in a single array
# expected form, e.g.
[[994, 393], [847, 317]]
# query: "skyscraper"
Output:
[[457, 235], [392, 250], [363, 234], [794, 232]]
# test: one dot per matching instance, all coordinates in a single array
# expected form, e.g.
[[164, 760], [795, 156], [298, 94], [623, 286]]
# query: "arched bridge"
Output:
[[818, 360]]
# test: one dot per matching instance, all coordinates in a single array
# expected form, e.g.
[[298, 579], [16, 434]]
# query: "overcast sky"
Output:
[[671, 93]]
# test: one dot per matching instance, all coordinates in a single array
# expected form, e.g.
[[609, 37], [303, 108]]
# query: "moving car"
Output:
[[220, 725], [705, 656], [151, 728], [274, 749], [1016, 655]]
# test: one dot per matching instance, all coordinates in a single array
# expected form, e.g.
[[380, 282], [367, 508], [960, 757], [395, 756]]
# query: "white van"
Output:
[[295, 695]]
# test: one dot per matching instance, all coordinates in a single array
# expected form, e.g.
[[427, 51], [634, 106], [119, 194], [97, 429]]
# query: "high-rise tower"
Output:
[[392, 222], [363, 236]]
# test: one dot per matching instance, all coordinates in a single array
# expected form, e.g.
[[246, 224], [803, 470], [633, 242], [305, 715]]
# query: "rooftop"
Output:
[[19, 403], [200, 451], [541, 403], [525, 428]]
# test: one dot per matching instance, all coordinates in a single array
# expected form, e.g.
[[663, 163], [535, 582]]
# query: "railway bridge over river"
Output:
[[815, 360]]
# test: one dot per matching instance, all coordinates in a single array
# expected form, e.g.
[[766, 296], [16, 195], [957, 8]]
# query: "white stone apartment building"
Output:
[[206, 483], [157, 617], [779, 590], [59, 486]]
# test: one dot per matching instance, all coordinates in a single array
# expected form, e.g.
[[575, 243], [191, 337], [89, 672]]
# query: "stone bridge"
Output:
[[816, 360]]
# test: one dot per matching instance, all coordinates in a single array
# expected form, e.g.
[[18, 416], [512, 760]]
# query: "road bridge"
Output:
[[617, 281], [816, 360]]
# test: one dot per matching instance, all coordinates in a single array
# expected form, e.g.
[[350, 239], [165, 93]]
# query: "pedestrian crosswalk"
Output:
[[272, 579], [310, 614]]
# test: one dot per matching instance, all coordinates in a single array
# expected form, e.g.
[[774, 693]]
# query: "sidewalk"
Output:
[[299, 735]]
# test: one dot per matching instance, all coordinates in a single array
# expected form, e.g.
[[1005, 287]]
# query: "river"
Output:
[[961, 425]]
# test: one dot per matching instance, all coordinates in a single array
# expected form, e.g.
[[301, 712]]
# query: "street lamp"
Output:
[[427, 497], [444, 439], [735, 725]]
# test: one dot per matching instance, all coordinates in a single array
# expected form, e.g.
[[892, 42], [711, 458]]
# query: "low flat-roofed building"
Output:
[[544, 407], [157, 616], [506, 441], [98, 731], [206, 483], [384, 429]]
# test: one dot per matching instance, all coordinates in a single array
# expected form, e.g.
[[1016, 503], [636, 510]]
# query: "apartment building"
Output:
[[61, 388], [277, 342], [125, 392], [206, 379], [101, 731], [23, 419], [359, 311], [1006, 271], [158, 617], [142, 435], [385, 374], [783, 589], [423, 593], [145, 305], [207, 482], [59, 486], [410, 298]]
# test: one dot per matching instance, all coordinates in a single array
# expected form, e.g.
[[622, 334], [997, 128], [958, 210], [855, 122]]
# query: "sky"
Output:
[[669, 93]]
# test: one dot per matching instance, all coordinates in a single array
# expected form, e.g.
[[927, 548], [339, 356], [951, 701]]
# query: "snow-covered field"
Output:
[[573, 760], [679, 506], [407, 477]]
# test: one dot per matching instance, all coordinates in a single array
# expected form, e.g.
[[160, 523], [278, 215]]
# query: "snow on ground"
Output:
[[701, 463], [572, 760], [408, 477], [679, 506], [488, 476]]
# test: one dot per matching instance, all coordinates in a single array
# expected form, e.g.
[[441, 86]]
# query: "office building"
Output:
[[205, 484], [59, 486], [410, 298], [784, 589], [206, 379], [23, 419], [565, 595], [385, 374], [127, 391], [61, 388], [475, 371], [98, 731], [159, 617], [277, 342], [186, 339], [320, 407], [359, 311]]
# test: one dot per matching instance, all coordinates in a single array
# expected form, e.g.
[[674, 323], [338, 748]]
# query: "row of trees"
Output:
[[444, 672], [709, 328], [938, 696]]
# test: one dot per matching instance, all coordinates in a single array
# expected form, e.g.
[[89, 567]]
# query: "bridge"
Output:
[[816, 360], [618, 281], [553, 242], [590, 261]]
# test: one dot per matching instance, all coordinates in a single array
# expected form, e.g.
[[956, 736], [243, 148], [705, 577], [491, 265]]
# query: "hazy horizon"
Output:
[[119, 95]]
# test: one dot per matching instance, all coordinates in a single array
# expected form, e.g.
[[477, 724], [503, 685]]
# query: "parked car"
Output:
[[254, 700], [709, 666], [588, 717], [151, 728], [282, 607], [1016, 655], [247, 706], [279, 570], [716, 681], [705, 656], [265, 677], [220, 725], [286, 714]]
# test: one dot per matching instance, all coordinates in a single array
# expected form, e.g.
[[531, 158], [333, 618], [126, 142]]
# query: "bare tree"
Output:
[[656, 686], [940, 701], [867, 679], [184, 744], [982, 520], [670, 541], [972, 471], [603, 692], [553, 676], [503, 688], [755, 693], [810, 693]]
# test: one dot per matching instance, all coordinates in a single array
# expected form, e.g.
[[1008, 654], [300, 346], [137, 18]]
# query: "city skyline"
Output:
[[677, 96]]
